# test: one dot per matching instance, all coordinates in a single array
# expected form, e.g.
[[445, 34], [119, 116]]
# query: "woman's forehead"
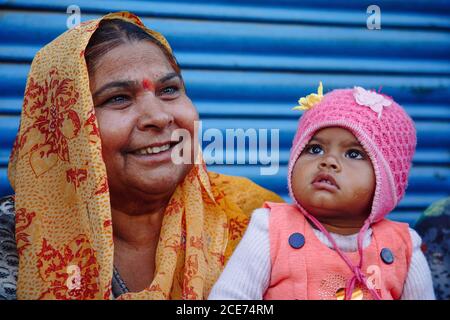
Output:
[[132, 61]]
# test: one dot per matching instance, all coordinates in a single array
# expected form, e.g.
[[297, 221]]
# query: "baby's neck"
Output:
[[340, 228]]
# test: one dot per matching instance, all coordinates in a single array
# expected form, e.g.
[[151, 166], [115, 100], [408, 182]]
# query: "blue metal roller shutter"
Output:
[[247, 62]]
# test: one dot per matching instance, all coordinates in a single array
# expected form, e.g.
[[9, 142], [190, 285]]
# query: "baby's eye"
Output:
[[315, 149], [355, 154]]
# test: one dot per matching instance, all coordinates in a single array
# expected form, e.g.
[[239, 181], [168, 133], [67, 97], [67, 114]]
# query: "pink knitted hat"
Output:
[[382, 127]]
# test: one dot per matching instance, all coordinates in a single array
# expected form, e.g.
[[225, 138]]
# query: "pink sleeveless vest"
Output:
[[309, 270]]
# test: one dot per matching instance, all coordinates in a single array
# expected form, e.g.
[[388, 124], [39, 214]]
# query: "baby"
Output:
[[348, 169]]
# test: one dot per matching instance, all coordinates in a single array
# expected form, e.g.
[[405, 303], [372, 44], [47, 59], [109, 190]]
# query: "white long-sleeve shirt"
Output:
[[247, 273]]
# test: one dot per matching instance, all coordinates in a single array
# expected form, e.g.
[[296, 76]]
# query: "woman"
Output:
[[101, 209]]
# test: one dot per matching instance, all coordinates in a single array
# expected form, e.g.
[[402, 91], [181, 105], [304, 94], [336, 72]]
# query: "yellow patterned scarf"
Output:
[[63, 216]]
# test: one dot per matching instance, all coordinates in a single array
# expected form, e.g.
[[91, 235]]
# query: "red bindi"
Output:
[[148, 85]]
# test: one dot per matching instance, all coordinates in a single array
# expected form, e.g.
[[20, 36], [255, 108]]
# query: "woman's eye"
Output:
[[315, 149], [355, 154], [117, 100], [169, 90]]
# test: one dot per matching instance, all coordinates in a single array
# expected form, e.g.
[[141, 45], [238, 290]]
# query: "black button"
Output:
[[387, 256], [296, 240]]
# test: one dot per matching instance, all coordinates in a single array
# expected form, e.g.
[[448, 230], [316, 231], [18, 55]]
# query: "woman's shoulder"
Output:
[[7, 205], [244, 192], [7, 217], [9, 259]]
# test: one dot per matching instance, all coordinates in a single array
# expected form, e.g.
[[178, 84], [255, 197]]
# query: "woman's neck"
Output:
[[136, 230], [136, 240], [137, 218]]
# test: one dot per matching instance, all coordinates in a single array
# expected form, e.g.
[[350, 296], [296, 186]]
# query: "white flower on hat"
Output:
[[371, 99]]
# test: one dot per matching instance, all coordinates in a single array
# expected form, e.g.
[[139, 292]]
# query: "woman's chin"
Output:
[[165, 178]]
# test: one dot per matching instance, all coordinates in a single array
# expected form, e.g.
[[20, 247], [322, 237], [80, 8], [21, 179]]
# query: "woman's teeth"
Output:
[[153, 150], [326, 181]]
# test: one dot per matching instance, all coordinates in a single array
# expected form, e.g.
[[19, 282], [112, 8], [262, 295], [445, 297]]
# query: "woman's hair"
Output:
[[112, 33]]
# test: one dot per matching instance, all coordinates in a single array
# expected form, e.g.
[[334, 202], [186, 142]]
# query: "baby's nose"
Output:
[[329, 162]]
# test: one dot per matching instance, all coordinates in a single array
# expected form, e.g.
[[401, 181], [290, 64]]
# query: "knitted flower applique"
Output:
[[371, 99], [310, 100]]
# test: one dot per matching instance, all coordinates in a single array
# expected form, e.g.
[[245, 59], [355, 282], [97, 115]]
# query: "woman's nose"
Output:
[[152, 114], [329, 162]]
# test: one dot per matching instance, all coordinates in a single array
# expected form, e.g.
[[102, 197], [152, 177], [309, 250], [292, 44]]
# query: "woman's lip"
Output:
[[324, 186], [162, 156], [158, 144]]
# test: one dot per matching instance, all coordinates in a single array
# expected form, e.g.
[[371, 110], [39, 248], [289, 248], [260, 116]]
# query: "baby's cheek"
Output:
[[361, 194], [299, 179], [297, 194], [363, 198], [362, 180]]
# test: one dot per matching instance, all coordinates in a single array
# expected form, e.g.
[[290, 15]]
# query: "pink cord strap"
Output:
[[358, 275]]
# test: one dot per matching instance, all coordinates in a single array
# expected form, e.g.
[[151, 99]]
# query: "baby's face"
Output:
[[333, 179]]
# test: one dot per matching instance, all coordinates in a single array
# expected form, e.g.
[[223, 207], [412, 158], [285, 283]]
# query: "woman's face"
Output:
[[139, 101], [333, 179]]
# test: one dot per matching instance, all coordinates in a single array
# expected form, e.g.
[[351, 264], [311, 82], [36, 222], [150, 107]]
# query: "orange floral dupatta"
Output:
[[63, 217]]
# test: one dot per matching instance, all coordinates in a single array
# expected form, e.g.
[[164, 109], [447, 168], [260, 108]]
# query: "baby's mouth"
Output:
[[325, 181]]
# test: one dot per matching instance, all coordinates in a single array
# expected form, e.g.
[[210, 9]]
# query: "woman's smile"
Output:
[[158, 152]]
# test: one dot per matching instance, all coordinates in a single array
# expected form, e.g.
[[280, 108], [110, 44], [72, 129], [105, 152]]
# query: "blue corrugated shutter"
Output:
[[247, 62]]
